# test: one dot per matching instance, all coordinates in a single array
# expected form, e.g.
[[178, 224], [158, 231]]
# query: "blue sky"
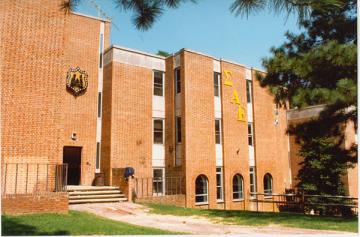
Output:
[[207, 26]]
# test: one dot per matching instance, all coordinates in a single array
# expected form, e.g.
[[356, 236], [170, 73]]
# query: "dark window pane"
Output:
[[178, 129], [218, 193], [97, 155], [248, 91], [158, 131], [177, 80], [217, 132], [158, 83], [99, 105], [216, 84]]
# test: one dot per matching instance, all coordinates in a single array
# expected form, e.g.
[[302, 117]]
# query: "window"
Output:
[[158, 131], [177, 81], [158, 181], [249, 91], [252, 181], [268, 183], [201, 189], [99, 105], [238, 187], [178, 129], [101, 51], [218, 131], [217, 84], [250, 134], [97, 162], [158, 83], [219, 184]]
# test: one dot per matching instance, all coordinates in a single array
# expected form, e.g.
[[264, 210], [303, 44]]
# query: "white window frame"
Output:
[[162, 181], [200, 195], [163, 83], [219, 131], [241, 193], [253, 181], [266, 193], [221, 199], [163, 131]]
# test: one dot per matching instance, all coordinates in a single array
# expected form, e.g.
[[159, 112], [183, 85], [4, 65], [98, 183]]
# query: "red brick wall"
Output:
[[235, 133], [271, 142], [350, 179], [34, 203], [131, 118], [199, 124], [175, 200], [39, 45]]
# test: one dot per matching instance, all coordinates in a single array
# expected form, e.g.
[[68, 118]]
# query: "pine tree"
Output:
[[315, 67]]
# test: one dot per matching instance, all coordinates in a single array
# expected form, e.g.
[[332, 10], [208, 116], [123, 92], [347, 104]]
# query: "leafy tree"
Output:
[[163, 53], [315, 67]]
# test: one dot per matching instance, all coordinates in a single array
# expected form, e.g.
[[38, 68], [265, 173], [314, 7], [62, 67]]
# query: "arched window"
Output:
[[268, 184], [201, 189], [238, 187]]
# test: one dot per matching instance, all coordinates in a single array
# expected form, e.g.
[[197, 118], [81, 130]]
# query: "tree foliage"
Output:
[[319, 66]]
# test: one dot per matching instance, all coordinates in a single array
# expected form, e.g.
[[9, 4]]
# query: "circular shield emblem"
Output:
[[76, 81]]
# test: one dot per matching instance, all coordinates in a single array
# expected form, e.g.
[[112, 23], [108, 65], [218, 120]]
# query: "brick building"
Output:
[[296, 116], [67, 96]]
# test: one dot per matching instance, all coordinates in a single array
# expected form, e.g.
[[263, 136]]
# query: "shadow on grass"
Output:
[[11, 227], [250, 218]]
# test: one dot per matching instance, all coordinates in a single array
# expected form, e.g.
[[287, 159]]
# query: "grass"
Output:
[[74, 223], [249, 218]]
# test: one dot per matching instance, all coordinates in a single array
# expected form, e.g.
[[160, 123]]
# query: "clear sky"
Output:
[[207, 26]]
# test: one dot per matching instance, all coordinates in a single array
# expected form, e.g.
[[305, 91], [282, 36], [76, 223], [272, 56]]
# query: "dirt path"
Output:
[[139, 215]]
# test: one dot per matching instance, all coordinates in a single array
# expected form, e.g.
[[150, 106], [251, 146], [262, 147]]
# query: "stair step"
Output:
[[90, 188], [98, 200], [94, 192], [96, 196]]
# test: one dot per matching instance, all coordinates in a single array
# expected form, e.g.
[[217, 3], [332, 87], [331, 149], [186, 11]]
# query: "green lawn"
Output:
[[262, 218], [75, 223]]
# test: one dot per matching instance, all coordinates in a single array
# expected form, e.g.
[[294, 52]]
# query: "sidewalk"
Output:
[[139, 215]]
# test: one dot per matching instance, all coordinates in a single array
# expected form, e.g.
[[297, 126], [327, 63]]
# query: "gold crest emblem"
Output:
[[76, 81]]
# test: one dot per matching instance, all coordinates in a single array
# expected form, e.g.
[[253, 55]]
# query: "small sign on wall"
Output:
[[76, 81]]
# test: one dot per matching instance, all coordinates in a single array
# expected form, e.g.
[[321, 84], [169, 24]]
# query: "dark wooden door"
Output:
[[72, 157]]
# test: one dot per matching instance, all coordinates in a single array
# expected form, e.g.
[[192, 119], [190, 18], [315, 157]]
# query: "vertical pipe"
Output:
[[273, 203], [16, 175], [157, 188], [147, 186], [65, 176], [142, 187], [5, 178], [37, 176], [27, 177], [47, 176]]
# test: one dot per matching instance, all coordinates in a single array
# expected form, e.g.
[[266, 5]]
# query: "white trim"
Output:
[[163, 131], [135, 51], [163, 180], [89, 16], [200, 195], [100, 90]]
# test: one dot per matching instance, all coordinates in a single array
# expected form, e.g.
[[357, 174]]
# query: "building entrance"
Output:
[[72, 157]]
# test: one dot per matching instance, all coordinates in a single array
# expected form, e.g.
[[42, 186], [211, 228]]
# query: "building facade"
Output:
[[68, 97]]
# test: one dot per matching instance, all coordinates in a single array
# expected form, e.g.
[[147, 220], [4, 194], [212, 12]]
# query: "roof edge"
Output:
[[89, 16]]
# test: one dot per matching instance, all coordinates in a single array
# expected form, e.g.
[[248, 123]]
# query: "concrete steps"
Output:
[[94, 194]]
